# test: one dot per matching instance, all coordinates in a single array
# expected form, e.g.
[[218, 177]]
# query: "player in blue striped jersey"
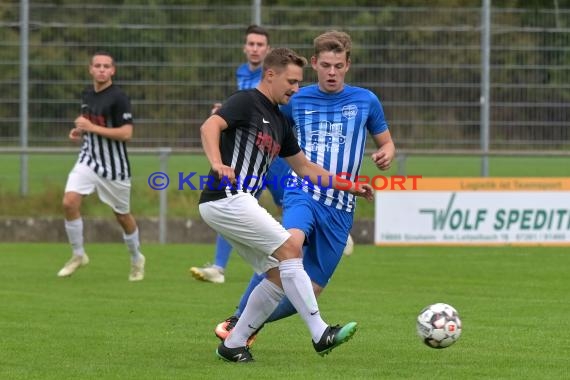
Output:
[[332, 120]]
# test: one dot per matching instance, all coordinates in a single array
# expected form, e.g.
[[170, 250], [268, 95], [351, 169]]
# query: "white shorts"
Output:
[[83, 180], [248, 227]]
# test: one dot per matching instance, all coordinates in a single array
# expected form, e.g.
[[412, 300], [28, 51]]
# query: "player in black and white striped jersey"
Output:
[[106, 156], [104, 127]]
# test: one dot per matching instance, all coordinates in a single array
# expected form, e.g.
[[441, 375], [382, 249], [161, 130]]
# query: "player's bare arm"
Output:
[[210, 133], [75, 134], [305, 168], [386, 152], [123, 133]]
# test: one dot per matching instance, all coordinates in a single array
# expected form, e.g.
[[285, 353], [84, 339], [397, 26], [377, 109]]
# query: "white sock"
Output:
[[298, 288], [262, 301], [74, 230], [133, 244]]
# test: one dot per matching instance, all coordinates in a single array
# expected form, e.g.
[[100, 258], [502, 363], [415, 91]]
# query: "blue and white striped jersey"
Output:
[[246, 78], [332, 130]]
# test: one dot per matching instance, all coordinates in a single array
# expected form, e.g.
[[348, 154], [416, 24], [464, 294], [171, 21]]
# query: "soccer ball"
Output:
[[438, 325]]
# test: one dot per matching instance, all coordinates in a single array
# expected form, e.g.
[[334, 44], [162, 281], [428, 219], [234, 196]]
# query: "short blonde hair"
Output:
[[279, 58], [334, 41]]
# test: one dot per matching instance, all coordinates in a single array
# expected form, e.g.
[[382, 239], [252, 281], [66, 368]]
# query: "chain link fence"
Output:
[[176, 60]]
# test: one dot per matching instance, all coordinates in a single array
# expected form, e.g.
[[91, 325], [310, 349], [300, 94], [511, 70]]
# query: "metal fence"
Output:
[[176, 60]]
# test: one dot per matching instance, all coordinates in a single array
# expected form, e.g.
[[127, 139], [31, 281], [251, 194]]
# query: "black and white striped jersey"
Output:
[[257, 133], [109, 108]]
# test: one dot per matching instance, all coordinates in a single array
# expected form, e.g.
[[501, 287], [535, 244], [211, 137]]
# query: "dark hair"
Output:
[[256, 29], [105, 53], [334, 41], [279, 58]]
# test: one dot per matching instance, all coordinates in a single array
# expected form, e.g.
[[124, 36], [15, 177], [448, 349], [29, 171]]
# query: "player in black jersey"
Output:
[[104, 127], [241, 141]]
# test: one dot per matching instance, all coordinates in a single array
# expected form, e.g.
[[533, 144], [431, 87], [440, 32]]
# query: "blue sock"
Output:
[[223, 250], [284, 310], [255, 279]]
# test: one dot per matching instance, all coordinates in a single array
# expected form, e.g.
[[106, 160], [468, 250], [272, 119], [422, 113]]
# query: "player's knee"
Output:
[[70, 203], [122, 218], [289, 250]]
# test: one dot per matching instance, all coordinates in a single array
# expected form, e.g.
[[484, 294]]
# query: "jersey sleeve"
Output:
[[122, 112], [236, 109], [376, 123]]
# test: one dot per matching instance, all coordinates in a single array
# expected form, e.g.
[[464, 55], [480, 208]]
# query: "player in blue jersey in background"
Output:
[[248, 76], [332, 120]]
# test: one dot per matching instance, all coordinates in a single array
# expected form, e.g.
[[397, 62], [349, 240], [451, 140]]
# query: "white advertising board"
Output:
[[471, 211]]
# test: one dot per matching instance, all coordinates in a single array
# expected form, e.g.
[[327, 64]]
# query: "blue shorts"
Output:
[[278, 170], [326, 230]]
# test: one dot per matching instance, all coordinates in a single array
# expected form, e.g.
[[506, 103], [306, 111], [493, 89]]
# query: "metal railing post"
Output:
[[164, 155], [24, 100], [485, 84], [256, 12], [401, 161]]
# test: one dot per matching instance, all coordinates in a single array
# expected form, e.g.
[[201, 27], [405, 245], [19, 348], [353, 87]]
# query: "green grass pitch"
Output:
[[96, 325]]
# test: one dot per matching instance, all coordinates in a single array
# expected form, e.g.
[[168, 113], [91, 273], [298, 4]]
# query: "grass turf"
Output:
[[96, 325]]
